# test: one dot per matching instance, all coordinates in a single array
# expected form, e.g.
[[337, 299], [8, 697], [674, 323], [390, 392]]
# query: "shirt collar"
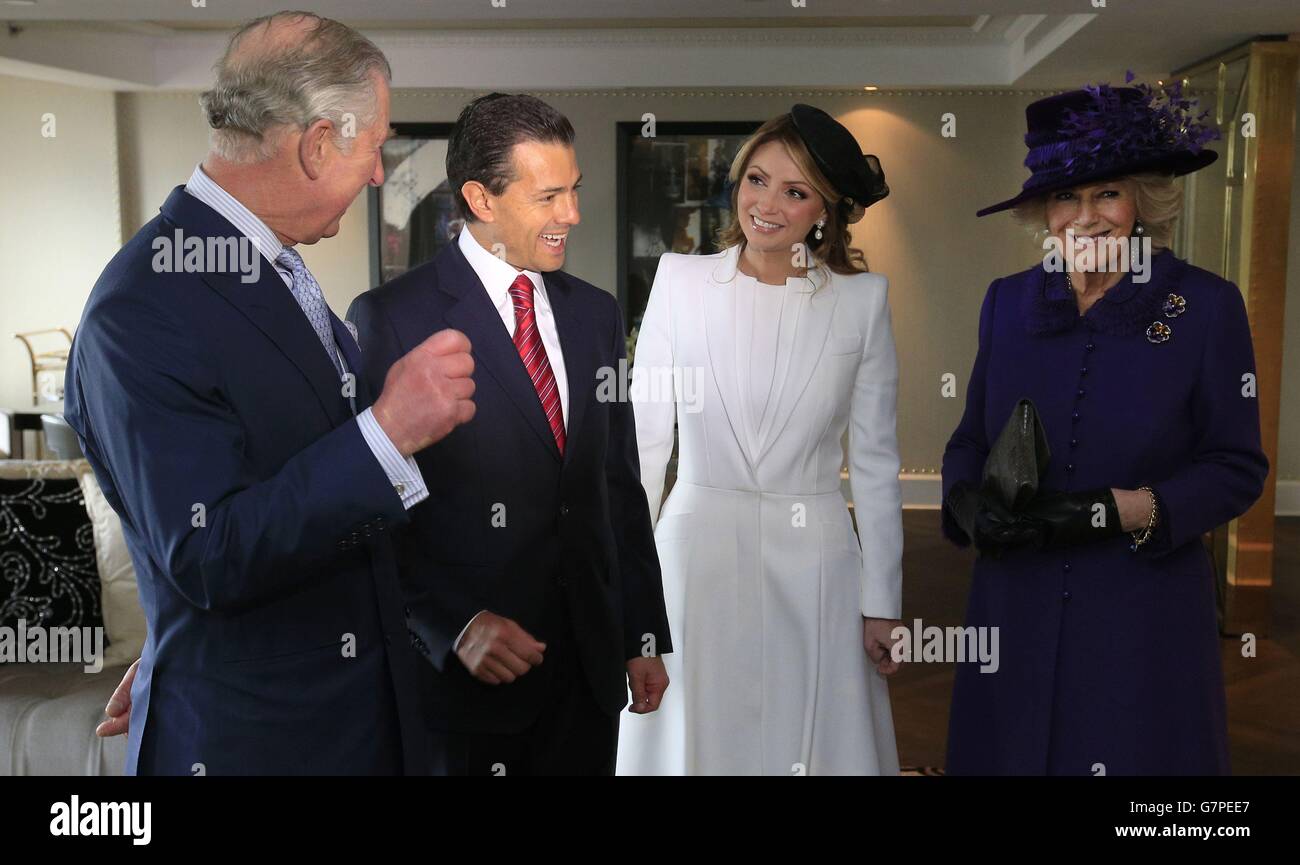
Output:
[[207, 190], [1128, 307], [496, 275]]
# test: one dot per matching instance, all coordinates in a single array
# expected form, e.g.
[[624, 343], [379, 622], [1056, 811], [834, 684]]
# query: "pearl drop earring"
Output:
[[820, 224]]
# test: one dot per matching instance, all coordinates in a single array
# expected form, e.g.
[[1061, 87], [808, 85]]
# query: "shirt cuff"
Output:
[[403, 474], [456, 643]]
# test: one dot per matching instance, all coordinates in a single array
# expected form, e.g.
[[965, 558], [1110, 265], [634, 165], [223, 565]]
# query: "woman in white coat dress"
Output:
[[780, 619]]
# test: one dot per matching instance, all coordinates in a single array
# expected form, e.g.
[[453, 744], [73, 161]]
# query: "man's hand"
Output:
[[119, 707], [648, 680], [495, 649], [427, 393], [878, 642]]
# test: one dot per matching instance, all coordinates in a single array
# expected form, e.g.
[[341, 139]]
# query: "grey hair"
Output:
[[328, 74]]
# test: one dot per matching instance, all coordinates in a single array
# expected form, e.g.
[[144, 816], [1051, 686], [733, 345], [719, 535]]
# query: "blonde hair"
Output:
[[834, 251], [1159, 203]]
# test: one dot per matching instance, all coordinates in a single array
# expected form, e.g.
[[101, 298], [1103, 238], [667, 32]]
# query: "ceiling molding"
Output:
[[994, 53], [82, 57], [1049, 35]]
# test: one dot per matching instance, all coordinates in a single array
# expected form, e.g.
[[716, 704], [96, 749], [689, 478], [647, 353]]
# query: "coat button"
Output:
[[1068, 567], [1081, 393], [1089, 347], [1074, 443], [1065, 595], [1075, 417], [564, 510], [1070, 467], [1083, 371]]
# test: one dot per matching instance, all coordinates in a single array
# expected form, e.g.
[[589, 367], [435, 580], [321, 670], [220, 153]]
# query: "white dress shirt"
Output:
[[402, 473], [497, 276]]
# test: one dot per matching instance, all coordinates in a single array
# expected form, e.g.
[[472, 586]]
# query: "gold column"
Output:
[[1247, 560], [1236, 224]]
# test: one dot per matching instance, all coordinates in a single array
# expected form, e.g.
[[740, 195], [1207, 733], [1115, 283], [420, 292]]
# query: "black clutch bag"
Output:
[[1018, 458]]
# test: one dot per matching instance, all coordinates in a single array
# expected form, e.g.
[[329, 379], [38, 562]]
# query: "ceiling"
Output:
[[575, 44]]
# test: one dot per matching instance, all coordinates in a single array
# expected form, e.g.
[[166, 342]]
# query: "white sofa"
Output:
[[48, 712]]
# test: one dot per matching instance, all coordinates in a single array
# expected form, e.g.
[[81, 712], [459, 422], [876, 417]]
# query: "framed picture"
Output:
[[673, 196], [412, 214]]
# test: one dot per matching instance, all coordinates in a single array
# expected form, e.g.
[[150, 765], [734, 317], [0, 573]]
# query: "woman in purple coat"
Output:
[[1143, 374]]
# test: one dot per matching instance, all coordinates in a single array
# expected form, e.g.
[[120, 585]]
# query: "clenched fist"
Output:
[[497, 650], [427, 393]]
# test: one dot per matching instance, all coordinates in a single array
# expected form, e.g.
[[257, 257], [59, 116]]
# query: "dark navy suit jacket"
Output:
[[255, 514], [510, 525]]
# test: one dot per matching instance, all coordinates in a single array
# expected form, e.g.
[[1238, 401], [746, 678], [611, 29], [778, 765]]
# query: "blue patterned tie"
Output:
[[306, 290]]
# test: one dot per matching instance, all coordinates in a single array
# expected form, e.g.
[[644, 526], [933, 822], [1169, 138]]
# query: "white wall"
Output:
[[59, 217]]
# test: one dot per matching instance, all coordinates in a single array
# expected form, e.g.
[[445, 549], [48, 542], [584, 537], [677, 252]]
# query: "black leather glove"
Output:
[[1070, 519], [992, 528]]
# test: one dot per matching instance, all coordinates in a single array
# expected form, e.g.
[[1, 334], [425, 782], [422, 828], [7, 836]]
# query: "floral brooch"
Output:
[[1174, 306]]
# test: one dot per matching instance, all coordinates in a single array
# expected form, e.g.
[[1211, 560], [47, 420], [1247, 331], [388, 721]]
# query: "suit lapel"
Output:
[[267, 303], [473, 314], [809, 343], [720, 347]]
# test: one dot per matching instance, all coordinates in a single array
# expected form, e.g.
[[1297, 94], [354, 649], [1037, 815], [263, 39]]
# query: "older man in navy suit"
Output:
[[222, 407]]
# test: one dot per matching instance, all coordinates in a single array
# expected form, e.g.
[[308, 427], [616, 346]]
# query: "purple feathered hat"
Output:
[[1102, 132]]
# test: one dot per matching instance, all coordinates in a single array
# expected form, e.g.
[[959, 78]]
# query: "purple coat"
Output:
[[1108, 656]]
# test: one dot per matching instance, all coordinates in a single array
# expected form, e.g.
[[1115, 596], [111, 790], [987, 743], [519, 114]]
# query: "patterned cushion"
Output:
[[48, 712], [124, 622], [48, 573]]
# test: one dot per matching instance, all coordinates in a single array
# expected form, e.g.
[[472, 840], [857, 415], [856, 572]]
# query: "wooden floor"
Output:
[[1263, 692]]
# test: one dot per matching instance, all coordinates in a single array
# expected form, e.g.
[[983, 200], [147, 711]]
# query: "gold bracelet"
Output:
[[1143, 535]]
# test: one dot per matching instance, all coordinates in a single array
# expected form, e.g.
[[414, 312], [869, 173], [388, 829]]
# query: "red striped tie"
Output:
[[528, 341]]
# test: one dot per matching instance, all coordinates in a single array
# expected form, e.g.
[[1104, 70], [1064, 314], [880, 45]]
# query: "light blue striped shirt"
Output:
[[403, 474]]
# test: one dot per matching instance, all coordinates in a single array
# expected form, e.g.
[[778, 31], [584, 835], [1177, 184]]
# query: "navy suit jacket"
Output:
[[511, 526], [256, 517]]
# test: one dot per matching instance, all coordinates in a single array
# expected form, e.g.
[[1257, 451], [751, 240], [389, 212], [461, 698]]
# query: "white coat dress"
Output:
[[765, 582]]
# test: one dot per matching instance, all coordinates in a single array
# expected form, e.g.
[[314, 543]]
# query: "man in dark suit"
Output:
[[530, 575], [218, 401]]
